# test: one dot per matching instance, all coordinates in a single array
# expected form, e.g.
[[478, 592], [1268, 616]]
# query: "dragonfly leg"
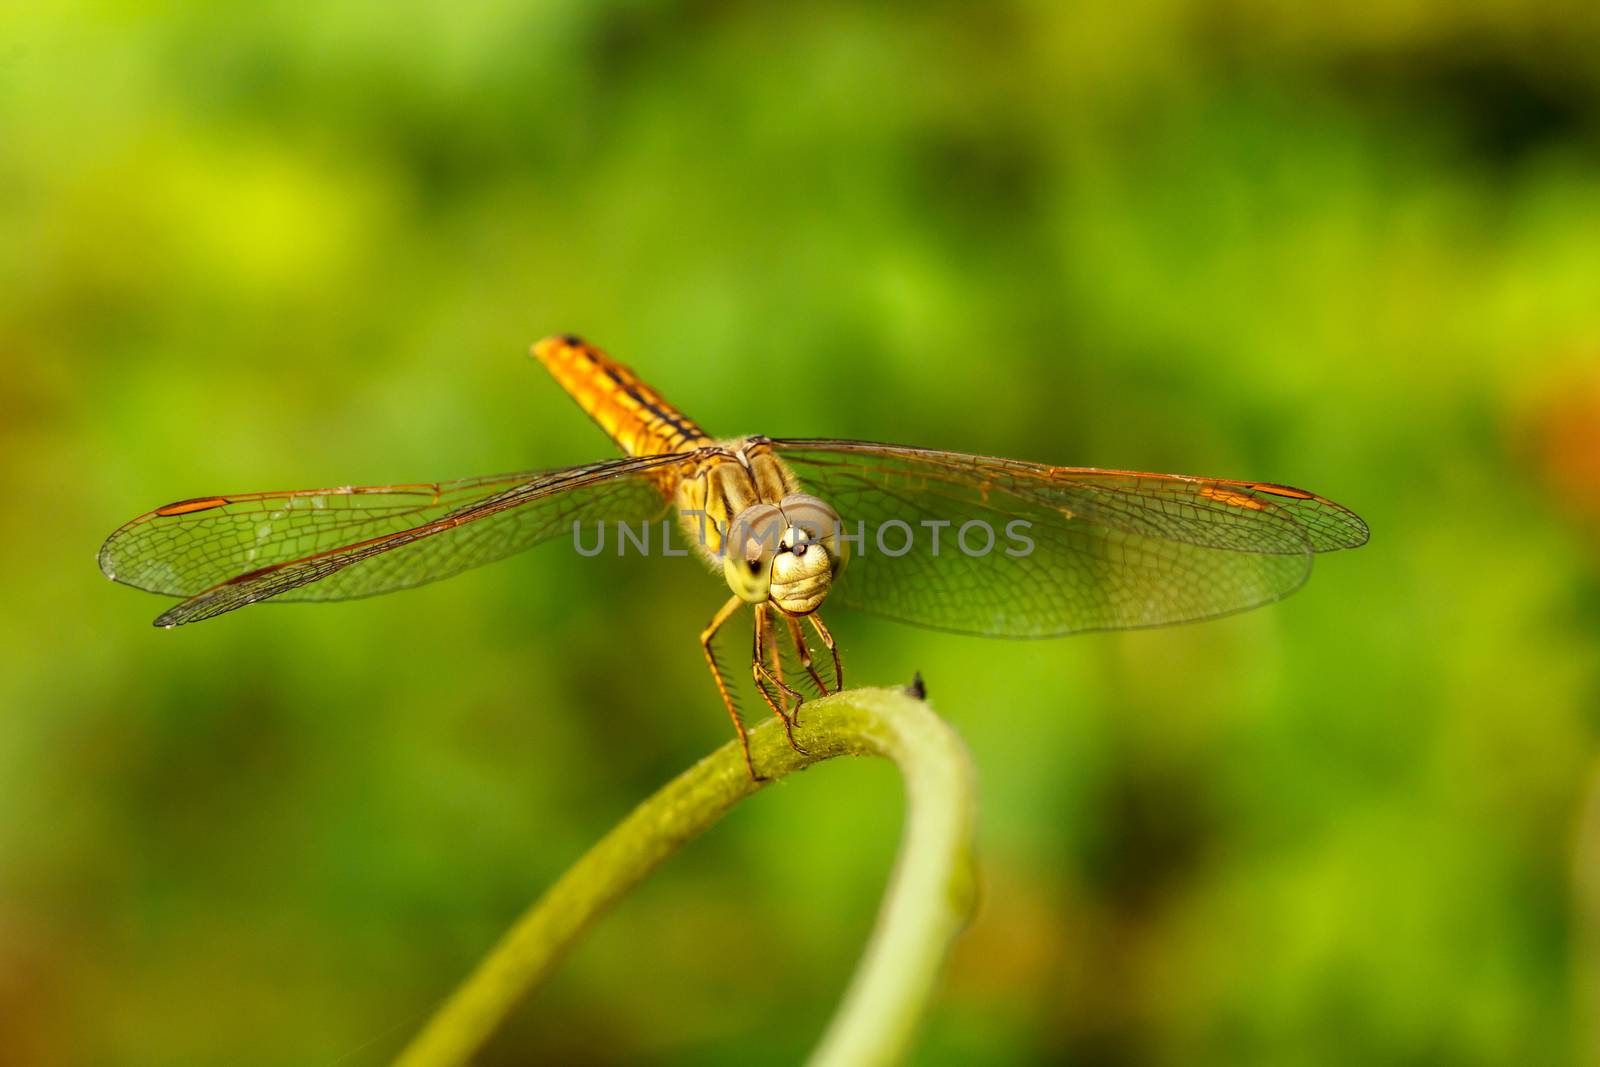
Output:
[[706, 635], [827, 640], [769, 654], [764, 674], [769, 638], [797, 634]]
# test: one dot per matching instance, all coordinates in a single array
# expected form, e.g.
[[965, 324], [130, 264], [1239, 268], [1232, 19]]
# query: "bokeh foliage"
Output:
[[1354, 247]]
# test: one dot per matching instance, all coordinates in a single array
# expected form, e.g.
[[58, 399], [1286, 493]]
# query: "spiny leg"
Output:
[[763, 674], [769, 636], [797, 634], [827, 640], [765, 641], [706, 635]]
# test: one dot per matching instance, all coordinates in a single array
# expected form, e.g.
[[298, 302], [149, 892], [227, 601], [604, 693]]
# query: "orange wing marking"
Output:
[[1282, 490], [188, 507]]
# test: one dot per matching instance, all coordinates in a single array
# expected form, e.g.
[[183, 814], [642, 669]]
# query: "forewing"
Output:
[[1056, 550], [336, 544]]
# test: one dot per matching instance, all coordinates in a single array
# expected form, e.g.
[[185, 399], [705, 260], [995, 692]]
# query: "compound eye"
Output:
[[819, 523], [747, 550]]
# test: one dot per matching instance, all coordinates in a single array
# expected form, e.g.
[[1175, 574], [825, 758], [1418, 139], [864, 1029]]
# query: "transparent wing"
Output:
[[222, 553], [1057, 550]]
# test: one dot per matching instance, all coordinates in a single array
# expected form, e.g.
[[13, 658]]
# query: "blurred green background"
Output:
[[278, 245]]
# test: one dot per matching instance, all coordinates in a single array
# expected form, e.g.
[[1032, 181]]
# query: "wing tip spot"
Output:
[[258, 572], [1282, 490], [190, 506]]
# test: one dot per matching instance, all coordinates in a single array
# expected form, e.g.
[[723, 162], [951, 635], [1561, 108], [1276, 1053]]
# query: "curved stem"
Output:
[[1586, 912], [930, 895]]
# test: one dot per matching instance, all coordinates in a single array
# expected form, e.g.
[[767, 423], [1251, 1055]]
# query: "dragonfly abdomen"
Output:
[[629, 411]]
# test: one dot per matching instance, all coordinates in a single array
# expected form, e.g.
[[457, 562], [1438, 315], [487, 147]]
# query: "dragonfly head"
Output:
[[788, 553]]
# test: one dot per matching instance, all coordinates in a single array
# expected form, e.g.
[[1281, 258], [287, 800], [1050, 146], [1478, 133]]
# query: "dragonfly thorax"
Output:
[[786, 553]]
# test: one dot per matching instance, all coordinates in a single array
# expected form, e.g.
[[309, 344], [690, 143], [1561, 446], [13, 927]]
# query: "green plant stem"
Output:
[[1586, 913], [930, 894]]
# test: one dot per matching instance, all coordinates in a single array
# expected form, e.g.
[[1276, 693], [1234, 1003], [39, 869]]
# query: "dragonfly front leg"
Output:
[[833, 650], [769, 640], [706, 636], [797, 635], [764, 674]]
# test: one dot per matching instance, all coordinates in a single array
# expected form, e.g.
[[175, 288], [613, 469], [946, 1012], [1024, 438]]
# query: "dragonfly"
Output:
[[966, 543]]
